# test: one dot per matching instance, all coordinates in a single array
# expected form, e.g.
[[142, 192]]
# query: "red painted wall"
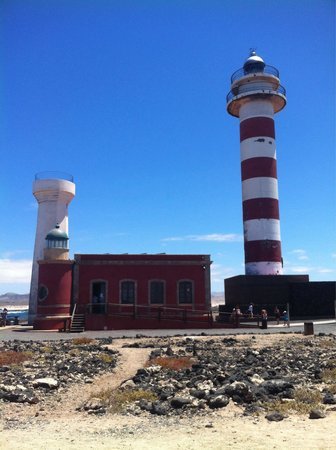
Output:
[[57, 278], [60, 278], [142, 268]]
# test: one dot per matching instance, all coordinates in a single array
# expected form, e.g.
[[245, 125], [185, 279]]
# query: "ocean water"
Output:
[[22, 314]]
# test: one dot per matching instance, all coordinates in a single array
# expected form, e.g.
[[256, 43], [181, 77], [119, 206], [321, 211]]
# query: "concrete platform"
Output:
[[27, 333]]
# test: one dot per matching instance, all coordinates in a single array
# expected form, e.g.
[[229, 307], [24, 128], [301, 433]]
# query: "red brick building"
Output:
[[98, 292]]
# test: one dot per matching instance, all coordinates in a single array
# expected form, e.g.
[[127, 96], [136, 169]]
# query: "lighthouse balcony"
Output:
[[239, 95], [254, 69], [255, 88]]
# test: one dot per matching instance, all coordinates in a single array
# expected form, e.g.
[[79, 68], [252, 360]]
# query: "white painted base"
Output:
[[263, 268]]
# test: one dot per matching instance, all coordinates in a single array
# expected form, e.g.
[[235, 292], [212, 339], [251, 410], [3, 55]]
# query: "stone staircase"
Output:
[[77, 323]]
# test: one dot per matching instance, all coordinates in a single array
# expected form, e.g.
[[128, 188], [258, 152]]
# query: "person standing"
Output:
[[277, 314], [264, 319], [238, 314], [4, 316]]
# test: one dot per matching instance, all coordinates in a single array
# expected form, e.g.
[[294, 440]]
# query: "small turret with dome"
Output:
[[57, 244], [57, 238]]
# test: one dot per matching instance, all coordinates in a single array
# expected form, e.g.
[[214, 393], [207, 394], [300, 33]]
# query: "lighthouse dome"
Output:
[[56, 234], [254, 63], [57, 238]]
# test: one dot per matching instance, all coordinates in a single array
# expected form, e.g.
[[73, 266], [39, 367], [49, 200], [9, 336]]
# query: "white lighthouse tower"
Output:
[[255, 96], [53, 192]]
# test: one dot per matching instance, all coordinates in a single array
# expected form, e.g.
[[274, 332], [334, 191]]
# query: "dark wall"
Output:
[[306, 299], [260, 289], [316, 298]]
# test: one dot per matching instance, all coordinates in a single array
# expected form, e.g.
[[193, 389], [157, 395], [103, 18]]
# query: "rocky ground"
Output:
[[249, 391], [224, 370], [32, 371]]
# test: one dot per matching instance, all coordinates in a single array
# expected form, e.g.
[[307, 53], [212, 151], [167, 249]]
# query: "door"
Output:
[[98, 299]]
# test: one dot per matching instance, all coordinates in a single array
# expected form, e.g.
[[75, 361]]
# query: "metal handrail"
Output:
[[151, 311], [279, 90], [73, 312], [139, 305], [242, 72]]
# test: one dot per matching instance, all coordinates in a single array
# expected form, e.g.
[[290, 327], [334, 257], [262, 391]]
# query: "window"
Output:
[[156, 292], [185, 292], [42, 293], [127, 292], [53, 243]]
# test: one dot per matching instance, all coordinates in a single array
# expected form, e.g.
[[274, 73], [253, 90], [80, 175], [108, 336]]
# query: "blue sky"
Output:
[[130, 98]]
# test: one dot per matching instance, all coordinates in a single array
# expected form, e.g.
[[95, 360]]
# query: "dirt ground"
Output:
[[57, 425]]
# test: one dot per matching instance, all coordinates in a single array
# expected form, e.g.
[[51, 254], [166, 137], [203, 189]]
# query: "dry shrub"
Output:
[[107, 359], [308, 396], [104, 395], [74, 352], [121, 398], [331, 363], [115, 400], [327, 343], [332, 388], [46, 349], [304, 401], [172, 362], [9, 358], [82, 341], [329, 375]]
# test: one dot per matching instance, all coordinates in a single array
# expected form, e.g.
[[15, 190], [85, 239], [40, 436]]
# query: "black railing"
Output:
[[54, 175], [270, 70], [279, 90], [135, 311]]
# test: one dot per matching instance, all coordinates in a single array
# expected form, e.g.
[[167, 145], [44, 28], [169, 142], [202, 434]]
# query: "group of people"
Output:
[[236, 313], [283, 316]]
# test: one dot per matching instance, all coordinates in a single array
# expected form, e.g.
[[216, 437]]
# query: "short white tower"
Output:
[[53, 192]]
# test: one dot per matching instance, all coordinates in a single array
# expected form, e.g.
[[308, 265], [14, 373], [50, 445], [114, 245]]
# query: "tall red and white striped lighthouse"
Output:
[[255, 96]]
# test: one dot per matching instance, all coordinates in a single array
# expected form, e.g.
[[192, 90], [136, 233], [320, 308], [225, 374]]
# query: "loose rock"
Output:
[[275, 416], [316, 414]]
